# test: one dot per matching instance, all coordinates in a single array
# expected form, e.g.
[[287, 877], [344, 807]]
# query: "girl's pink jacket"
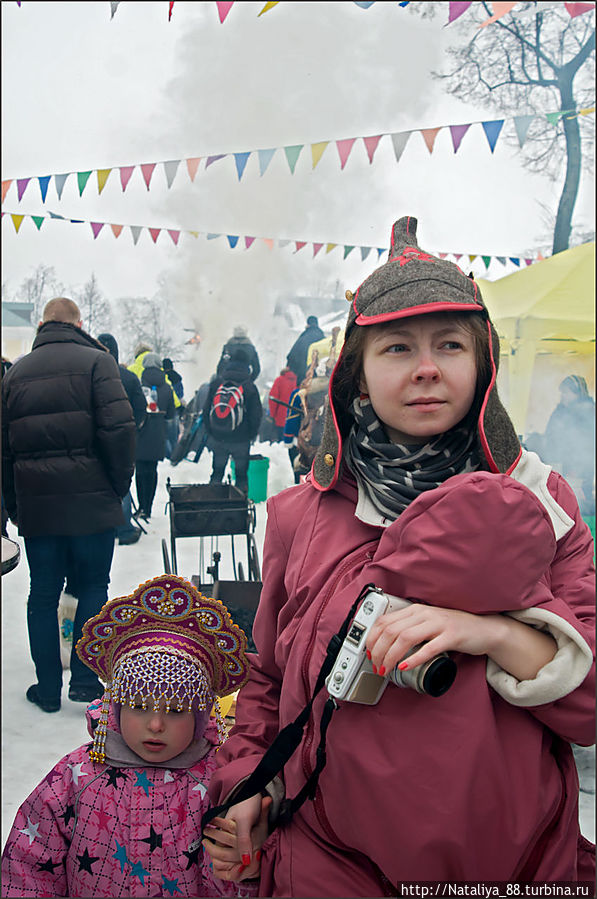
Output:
[[94, 830], [479, 784]]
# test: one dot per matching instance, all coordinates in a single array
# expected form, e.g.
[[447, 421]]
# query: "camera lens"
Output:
[[439, 676]]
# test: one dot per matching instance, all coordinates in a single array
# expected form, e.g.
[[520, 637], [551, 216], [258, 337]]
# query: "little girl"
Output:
[[420, 487], [120, 816]]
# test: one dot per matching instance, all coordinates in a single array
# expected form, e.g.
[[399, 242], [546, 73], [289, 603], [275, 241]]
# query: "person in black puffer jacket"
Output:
[[151, 441], [236, 443], [68, 453]]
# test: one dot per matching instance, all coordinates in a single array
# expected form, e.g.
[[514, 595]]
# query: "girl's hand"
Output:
[[234, 842], [516, 647]]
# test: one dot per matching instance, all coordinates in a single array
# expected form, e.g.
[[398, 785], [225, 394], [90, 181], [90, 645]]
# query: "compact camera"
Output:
[[352, 678]]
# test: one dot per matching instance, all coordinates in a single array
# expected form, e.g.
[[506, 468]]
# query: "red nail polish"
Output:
[[368, 655], [382, 670], [246, 860], [374, 669], [402, 666]]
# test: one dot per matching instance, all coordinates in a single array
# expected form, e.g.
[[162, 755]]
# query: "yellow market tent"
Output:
[[547, 308]]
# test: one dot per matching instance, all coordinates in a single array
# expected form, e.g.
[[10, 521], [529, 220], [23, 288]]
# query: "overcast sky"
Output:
[[83, 91]]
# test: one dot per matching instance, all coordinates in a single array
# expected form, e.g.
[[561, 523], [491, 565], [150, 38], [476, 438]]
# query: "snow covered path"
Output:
[[33, 741]]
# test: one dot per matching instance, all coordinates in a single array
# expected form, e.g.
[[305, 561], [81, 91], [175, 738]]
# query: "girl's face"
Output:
[[420, 374], [156, 736]]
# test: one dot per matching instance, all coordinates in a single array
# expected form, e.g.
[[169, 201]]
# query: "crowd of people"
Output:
[[418, 527]]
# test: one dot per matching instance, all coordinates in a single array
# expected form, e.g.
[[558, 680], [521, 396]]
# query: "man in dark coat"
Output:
[[238, 442], [69, 446], [127, 534], [240, 343], [297, 357]]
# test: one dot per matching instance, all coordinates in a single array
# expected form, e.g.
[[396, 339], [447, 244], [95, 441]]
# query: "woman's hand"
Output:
[[234, 842], [519, 649]]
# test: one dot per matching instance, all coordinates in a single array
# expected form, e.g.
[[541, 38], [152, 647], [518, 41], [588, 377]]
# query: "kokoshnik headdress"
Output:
[[166, 641]]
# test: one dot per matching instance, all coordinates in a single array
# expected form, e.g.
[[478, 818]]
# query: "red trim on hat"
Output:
[[482, 436], [363, 319]]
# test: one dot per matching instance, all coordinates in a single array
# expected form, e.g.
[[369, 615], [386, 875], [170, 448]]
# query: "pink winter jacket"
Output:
[[479, 784], [95, 830]]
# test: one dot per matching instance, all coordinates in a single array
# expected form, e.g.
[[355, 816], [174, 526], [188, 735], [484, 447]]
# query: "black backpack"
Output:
[[227, 409]]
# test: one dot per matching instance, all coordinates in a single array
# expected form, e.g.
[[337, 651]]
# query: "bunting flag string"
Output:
[[455, 9], [233, 239], [345, 146]]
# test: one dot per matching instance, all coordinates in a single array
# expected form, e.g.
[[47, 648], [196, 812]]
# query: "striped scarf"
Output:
[[393, 474]]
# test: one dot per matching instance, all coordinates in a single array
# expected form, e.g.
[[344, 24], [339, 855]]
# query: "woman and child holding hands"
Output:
[[420, 487]]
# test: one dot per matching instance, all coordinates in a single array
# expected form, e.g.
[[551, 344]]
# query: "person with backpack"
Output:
[[231, 417], [152, 436], [240, 342]]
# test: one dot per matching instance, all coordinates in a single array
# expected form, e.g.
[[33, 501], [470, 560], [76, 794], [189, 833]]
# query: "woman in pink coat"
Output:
[[120, 816], [420, 487]]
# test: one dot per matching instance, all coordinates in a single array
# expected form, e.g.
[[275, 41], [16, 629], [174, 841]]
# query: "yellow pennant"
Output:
[[194, 233], [268, 6], [330, 247], [16, 220], [472, 258], [102, 177], [317, 151]]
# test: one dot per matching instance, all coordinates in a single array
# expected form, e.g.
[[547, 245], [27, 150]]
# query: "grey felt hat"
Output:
[[413, 282]]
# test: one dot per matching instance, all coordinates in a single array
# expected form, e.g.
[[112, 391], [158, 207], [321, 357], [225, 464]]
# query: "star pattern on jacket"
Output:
[[77, 772], [49, 865], [86, 861], [143, 781], [51, 776], [68, 814], [154, 839], [171, 885], [120, 856], [113, 775], [31, 830], [103, 819], [139, 871], [192, 857]]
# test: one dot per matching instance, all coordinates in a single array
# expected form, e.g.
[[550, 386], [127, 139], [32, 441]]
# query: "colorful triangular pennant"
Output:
[[265, 157], [147, 170], [102, 177], [371, 144], [17, 221], [59, 182], [192, 165], [38, 219], [82, 179], [96, 227], [292, 154], [429, 135], [155, 232], [5, 186], [492, 129], [248, 242], [116, 230], [22, 186], [223, 8], [174, 234], [241, 161], [344, 148], [170, 170], [317, 151], [458, 132], [232, 240], [125, 175], [43, 186], [522, 124], [399, 142], [268, 6], [135, 231]]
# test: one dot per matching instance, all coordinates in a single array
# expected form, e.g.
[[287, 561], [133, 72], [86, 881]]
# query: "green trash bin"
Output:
[[258, 467]]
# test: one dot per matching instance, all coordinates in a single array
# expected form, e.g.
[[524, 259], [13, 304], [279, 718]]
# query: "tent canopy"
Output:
[[548, 307]]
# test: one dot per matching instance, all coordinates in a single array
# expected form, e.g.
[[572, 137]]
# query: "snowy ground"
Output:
[[33, 741]]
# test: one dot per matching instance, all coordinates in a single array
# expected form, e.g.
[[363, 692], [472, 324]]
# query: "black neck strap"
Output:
[[289, 739]]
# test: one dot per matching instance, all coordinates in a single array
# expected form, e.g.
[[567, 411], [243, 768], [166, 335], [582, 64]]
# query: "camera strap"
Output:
[[289, 739]]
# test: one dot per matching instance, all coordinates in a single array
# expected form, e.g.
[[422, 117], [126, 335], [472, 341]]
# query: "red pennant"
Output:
[[170, 5], [344, 148], [577, 9], [125, 175], [316, 248], [147, 170], [299, 245], [174, 235], [154, 233], [116, 229], [248, 242], [371, 145], [223, 8]]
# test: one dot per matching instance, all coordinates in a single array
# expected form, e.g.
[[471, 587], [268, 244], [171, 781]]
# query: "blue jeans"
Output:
[[49, 558]]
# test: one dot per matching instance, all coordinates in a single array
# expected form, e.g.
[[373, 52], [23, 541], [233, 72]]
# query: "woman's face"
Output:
[[420, 374]]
